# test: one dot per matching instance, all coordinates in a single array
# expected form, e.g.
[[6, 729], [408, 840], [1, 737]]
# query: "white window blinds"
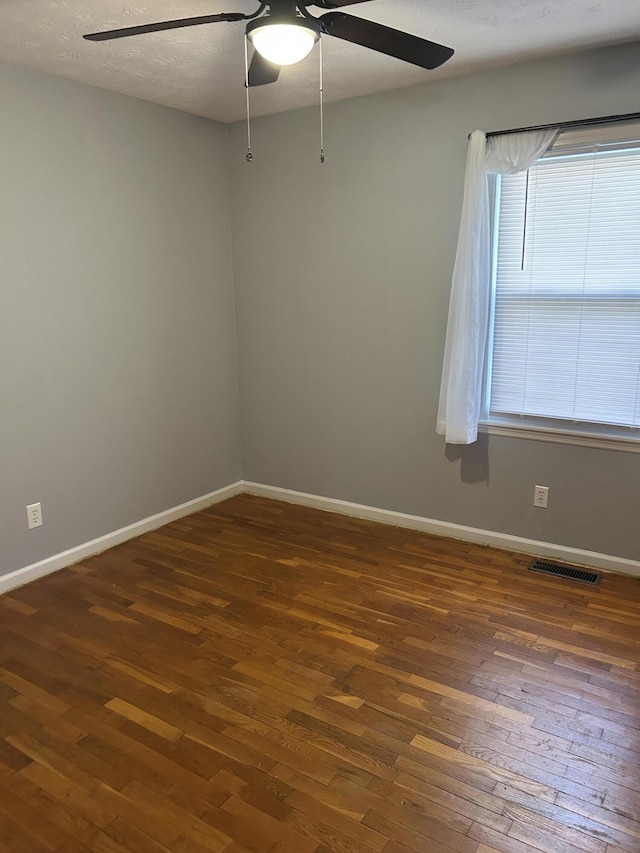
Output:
[[566, 320]]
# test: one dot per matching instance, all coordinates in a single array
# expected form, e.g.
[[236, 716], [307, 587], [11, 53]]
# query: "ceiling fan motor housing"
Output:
[[283, 11]]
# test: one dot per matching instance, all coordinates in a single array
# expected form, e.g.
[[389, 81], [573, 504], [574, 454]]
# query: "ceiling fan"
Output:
[[283, 32]]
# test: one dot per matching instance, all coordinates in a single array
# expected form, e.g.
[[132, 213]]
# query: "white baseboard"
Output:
[[504, 541], [602, 562], [25, 575]]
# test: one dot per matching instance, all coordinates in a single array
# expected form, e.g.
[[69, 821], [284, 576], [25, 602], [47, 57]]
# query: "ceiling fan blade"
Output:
[[335, 4], [417, 51], [164, 25], [261, 71]]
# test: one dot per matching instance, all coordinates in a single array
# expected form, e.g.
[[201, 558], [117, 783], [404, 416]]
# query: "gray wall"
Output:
[[118, 391], [342, 277]]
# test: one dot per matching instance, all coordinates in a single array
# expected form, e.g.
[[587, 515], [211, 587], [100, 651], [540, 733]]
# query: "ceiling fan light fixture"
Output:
[[283, 43]]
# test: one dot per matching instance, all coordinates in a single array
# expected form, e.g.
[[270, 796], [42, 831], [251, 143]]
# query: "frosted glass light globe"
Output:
[[283, 44]]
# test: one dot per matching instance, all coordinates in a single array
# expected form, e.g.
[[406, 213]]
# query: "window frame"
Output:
[[537, 428]]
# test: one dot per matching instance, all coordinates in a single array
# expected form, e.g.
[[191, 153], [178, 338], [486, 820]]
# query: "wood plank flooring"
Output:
[[266, 677]]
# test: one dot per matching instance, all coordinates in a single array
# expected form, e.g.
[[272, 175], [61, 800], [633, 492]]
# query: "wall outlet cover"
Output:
[[34, 516], [541, 496]]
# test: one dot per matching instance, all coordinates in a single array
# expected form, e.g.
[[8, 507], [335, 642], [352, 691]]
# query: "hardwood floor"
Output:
[[266, 677]]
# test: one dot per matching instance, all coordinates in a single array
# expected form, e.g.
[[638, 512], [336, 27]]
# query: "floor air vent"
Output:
[[582, 575]]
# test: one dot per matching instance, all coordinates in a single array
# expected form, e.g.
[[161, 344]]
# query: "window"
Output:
[[564, 346]]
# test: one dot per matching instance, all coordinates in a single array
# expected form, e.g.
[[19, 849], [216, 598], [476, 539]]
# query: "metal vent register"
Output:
[[568, 572]]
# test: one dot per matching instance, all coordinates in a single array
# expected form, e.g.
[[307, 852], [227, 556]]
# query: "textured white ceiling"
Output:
[[201, 69]]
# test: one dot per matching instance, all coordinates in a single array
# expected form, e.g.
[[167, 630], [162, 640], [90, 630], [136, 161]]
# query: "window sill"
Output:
[[579, 438]]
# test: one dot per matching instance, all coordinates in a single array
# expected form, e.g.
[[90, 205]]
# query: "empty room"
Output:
[[320, 426]]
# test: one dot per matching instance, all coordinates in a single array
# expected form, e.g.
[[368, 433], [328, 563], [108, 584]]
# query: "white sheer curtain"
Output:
[[465, 348]]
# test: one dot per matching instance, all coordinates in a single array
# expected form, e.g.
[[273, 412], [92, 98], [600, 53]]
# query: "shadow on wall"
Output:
[[474, 459], [611, 66]]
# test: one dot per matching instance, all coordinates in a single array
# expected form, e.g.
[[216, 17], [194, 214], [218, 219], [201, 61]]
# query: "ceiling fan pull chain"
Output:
[[321, 104], [249, 157]]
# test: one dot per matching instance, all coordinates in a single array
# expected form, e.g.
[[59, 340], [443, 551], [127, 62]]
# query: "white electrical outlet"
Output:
[[541, 496], [34, 516]]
